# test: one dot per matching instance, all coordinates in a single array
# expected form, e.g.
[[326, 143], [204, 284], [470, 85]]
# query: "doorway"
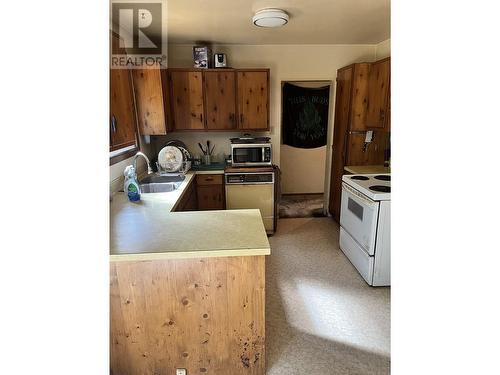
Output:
[[303, 164]]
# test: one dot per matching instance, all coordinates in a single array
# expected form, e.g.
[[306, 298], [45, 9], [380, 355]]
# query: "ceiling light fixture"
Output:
[[270, 18]]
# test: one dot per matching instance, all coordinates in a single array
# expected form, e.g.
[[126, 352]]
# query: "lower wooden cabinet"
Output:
[[189, 202], [210, 192], [205, 192]]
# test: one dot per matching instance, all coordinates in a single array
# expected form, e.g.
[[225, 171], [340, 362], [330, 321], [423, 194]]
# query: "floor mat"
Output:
[[301, 205]]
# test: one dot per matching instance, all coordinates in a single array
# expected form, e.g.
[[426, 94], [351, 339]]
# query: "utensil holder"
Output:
[[206, 159]]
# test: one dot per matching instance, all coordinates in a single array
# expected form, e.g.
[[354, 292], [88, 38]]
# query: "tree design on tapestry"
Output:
[[309, 124], [305, 116]]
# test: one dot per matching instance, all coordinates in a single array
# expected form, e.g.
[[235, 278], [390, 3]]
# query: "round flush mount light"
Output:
[[270, 18]]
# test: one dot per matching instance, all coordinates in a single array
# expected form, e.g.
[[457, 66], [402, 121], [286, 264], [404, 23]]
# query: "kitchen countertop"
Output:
[[148, 230], [367, 169]]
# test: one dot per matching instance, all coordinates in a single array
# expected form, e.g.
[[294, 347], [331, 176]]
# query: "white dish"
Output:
[[170, 158]]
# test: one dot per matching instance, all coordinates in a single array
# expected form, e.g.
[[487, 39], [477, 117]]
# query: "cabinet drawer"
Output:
[[209, 179]]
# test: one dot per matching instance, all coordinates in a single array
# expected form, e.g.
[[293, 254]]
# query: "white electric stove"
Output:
[[365, 225]]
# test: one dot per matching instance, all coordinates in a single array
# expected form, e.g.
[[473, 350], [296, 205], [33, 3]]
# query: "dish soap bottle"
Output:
[[131, 186]]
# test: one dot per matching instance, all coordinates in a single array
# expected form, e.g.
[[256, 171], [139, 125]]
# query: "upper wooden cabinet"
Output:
[[202, 100], [220, 100], [377, 115], [359, 96], [150, 100], [253, 99], [187, 100], [122, 112]]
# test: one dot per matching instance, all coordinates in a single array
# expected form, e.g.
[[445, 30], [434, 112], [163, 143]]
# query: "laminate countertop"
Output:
[[148, 230], [367, 169]]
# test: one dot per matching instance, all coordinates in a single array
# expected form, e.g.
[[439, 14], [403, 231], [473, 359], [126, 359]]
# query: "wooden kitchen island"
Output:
[[187, 289]]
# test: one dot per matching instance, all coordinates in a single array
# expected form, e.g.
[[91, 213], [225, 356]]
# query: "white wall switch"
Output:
[[180, 371]]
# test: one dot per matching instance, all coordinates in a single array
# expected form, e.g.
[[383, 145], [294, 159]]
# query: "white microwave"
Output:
[[251, 154]]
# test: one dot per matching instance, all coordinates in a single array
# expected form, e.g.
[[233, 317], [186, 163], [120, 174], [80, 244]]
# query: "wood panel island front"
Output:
[[187, 289]]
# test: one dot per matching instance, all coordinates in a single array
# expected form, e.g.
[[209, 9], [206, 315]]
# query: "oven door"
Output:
[[359, 216]]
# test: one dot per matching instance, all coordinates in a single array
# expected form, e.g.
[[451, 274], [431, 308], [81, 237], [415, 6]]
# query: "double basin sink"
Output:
[[160, 184]]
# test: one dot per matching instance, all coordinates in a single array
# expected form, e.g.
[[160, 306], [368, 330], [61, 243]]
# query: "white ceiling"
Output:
[[311, 22]]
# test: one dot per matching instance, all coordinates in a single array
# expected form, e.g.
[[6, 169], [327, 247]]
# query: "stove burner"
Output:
[[380, 188], [362, 178], [383, 177]]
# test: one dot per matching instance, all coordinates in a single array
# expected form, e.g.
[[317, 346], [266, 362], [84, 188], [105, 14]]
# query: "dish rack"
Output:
[[185, 167]]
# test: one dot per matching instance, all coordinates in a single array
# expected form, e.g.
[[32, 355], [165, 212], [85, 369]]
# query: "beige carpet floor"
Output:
[[321, 316]]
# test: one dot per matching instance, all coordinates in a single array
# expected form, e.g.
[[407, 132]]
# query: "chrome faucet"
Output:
[[147, 162]]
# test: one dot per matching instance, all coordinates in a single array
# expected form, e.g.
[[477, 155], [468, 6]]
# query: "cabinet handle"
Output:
[[382, 115], [113, 123], [241, 118], [201, 117], [209, 179]]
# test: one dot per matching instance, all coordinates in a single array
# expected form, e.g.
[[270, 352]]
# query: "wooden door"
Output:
[[150, 101], [253, 99], [187, 100], [341, 125], [122, 112], [220, 100], [378, 94], [359, 96]]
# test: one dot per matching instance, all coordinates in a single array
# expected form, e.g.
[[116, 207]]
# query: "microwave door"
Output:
[[244, 155]]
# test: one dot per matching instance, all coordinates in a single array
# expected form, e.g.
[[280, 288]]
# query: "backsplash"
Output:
[[220, 140]]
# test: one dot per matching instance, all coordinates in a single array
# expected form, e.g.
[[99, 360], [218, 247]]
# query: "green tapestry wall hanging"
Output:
[[305, 116]]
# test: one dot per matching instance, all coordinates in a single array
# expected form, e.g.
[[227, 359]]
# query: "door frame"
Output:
[[329, 131]]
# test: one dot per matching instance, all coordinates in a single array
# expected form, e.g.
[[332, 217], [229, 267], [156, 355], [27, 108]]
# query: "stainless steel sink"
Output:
[[160, 184]]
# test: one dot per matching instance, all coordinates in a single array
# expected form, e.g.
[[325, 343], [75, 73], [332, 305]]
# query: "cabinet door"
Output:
[[342, 106], [187, 100], [210, 197], [122, 112], [189, 201], [220, 100], [149, 101], [378, 94], [359, 96], [253, 99]]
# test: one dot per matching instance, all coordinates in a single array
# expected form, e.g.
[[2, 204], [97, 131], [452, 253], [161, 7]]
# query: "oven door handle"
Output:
[[357, 196]]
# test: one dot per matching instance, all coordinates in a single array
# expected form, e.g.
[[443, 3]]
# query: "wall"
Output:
[[287, 63], [383, 49]]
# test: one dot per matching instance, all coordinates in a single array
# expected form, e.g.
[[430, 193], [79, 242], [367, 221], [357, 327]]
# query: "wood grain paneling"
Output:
[[220, 99], [341, 124], [187, 100], [372, 155], [378, 94], [149, 101], [204, 315], [253, 99]]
